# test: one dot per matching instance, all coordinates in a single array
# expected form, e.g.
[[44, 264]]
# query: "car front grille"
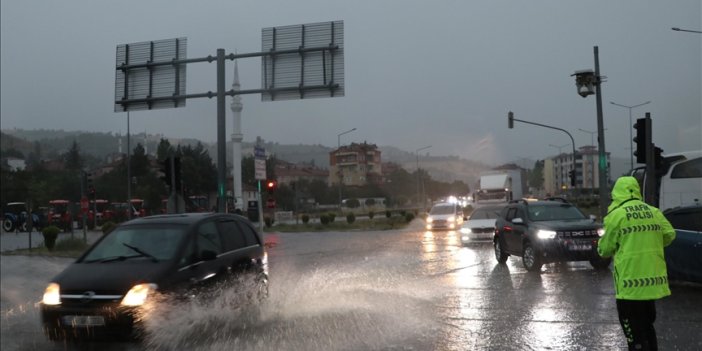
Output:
[[577, 233], [482, 230]]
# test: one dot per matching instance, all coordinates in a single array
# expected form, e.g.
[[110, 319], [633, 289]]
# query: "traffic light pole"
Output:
[[650, 184]]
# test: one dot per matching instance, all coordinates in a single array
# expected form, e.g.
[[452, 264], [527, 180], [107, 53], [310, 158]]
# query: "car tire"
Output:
[[530, 258], [8, 225], [600, 263], [500, 254]]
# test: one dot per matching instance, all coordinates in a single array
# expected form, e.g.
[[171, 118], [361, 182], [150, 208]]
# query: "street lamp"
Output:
[[417, 153], [588, 83], [631, 126], [338, 167], [685, 30]]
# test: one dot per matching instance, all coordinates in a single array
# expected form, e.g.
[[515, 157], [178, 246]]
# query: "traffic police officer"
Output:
[[635, 234]]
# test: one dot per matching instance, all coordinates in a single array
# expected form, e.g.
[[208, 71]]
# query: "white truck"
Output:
[[499, 186]]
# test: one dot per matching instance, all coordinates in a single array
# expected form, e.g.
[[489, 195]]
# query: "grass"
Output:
[[341, 226], [72, 247]]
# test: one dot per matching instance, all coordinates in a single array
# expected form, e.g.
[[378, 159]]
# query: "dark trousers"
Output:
[[636, 318]]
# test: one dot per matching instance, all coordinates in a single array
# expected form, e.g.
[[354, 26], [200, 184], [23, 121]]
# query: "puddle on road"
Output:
[[340, 309]]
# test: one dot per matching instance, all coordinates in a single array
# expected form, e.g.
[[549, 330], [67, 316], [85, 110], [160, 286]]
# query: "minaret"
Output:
[[237, 137]]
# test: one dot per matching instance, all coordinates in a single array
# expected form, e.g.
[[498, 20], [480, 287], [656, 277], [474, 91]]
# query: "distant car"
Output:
[[481, 224], [104, 291], [547, 231], [684, 255], [445, 215]]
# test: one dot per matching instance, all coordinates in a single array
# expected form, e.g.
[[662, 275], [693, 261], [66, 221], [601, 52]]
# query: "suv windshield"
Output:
[[441, 210], [554, 213], [157, 242]]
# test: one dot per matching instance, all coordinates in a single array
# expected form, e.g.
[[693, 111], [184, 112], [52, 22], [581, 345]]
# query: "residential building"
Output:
[[557, 171], [355, 165], [288, 173]]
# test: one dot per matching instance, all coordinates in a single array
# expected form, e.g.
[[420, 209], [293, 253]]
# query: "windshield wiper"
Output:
[[112, 258], [141, 252]]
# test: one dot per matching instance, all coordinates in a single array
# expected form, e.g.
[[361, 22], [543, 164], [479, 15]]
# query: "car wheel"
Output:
[[600, 263], [8, 225], [500, 254], [530, 258]]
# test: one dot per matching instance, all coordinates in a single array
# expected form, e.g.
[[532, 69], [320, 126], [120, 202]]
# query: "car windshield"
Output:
[[554, 213], [486, 213], [158, 243], [442, 210]]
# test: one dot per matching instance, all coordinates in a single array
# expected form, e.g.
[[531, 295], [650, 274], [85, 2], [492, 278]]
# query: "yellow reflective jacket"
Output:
[[635, 234]]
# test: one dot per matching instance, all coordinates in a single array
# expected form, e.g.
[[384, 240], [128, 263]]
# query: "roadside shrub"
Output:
[[332, 216], [409, 216], [305, 218], [388, 214], [353, 203], [107, 227], [50, 234], [350, 218], [403, 213], [371, 214], [324, 219], [269, 221]]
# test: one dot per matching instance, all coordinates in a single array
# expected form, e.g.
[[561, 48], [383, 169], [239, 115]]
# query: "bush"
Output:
[[332, 216], [71, 244], [388, 214], [409, 217], [305, 218], [108, 227], [50, 234], [371, 214], [353, 203], [350, 218], [269, 221], [324, 219]]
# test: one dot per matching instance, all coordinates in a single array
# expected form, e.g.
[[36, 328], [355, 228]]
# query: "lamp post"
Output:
[[685, 30], [631, 126], [338, 167], [418, 181], [588, 83]]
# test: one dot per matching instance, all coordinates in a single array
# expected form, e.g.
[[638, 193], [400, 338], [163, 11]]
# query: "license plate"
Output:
[[84, 321], [583, 247]]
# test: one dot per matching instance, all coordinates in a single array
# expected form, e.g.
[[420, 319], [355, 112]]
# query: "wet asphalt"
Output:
[[386, 290]]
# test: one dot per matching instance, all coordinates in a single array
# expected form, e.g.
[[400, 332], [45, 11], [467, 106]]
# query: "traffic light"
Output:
[[510, 120], [657, 157], [572, 178], [166, 173], [643, 134], [89, 184], [271, 186]]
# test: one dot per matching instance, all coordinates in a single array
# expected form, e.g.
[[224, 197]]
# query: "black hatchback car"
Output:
[[103, 291], [547, 231]]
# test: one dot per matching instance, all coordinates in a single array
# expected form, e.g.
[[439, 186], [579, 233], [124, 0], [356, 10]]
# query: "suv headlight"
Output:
[[451, 219], [545, 234], [600, 232], [136, 296], [465, 230], [429, 219], [52, 295]]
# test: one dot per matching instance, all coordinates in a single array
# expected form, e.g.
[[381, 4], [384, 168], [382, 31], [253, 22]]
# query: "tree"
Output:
[[72, 159], [535, 176], [164, 149]]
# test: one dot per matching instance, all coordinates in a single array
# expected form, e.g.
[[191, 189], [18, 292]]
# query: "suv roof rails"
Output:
[[556, 198], [517, 201]]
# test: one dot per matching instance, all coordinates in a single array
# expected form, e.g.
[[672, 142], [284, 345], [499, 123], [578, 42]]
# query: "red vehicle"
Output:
[[59, 214], [138, 208], [198, 203], [102, 211]]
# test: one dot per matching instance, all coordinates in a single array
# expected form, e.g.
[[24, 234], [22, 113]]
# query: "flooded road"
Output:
[[389, 290]]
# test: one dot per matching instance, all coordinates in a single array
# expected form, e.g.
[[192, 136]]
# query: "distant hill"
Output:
[[100, 145]]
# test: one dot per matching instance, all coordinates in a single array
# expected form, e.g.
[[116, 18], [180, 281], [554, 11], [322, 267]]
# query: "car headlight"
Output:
[[52, 295], [466, 230], [136, 296], [546, 234], [429, 220], [600, 232], [451, 219]]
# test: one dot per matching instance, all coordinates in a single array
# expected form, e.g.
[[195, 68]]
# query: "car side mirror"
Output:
[[517, 221], [208, 255], [593, 217]]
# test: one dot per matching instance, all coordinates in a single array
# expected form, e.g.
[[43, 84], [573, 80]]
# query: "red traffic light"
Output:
[[271, 185]]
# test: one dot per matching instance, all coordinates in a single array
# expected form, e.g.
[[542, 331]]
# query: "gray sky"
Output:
[[418, 73]]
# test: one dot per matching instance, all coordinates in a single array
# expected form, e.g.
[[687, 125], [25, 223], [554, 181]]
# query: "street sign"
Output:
[[137, 80], [260, 163], [308, 61]]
